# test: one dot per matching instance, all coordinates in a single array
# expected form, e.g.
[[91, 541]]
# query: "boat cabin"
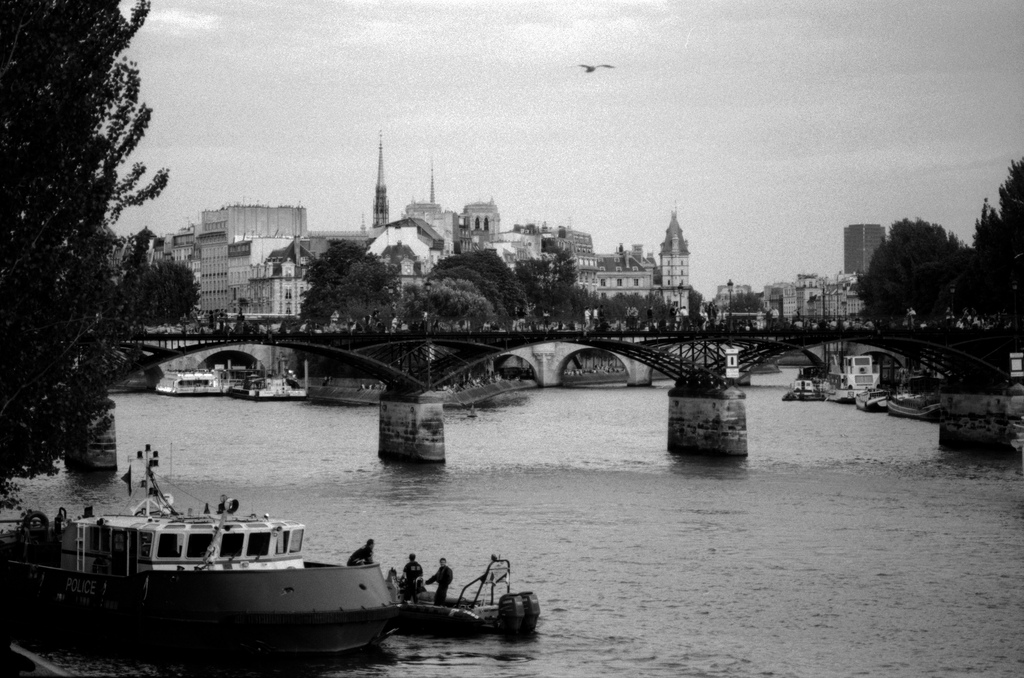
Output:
[[123, 545], [859, 372]]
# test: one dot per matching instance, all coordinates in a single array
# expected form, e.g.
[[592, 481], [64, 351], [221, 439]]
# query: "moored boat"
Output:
[[268, 389], [191, 383], [916, 398], [873, 400], [807, 386], [157, 577], [857, 374], [485, 605]]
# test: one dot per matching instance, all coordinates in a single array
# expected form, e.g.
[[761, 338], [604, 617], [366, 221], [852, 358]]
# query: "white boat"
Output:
[[268, 389], [858, 373], [157, 577], [873, 400], [191, 383]]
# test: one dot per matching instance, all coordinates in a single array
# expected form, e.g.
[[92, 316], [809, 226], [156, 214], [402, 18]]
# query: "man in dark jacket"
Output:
[[443, 577], [412, 574], [362, 556]]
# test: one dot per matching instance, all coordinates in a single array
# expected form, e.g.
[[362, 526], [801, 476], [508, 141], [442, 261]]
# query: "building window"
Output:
[[636, 282], [603, 281], [618, 282]]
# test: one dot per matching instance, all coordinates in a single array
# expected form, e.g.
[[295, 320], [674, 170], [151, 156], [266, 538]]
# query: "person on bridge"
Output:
[[443, 577], [362, 556], [412, 577]]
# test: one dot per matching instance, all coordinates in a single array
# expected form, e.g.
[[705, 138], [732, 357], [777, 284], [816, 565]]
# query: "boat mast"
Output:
[[155, 501]]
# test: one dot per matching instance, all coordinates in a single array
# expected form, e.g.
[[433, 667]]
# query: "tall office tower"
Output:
[[859, 244]]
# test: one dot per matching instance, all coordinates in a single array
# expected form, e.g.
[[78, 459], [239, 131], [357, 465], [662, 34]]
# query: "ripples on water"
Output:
[[845, 544]]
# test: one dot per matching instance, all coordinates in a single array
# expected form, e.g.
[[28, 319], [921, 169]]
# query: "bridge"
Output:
[[414, 365]]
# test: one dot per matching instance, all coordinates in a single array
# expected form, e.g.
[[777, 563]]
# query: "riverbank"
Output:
[[351, 395]]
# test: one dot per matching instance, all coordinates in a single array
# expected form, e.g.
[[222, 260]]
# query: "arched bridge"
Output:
[[419, 362]]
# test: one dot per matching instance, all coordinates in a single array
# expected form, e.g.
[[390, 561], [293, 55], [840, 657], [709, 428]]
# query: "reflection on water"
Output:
[[845, 543]]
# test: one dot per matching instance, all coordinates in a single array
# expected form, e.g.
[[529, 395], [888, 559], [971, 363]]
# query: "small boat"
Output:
[[157, 577], [191, 383], [268, 389], [807, 386], [873, 400], [490, 607]]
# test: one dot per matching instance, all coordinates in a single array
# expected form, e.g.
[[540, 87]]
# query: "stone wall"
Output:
[[985, 419], [412, 427]]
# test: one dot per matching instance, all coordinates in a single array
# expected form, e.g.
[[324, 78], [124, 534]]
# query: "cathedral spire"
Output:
[[380, 202]]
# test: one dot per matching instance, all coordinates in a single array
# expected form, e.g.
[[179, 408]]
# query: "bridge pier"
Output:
[[99, 453], [412, 427], [706, 419]]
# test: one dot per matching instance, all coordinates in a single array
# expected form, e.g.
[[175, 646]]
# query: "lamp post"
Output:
[[1013, 286], [729, 285], [952, 301], [426, 307], [680, 320]]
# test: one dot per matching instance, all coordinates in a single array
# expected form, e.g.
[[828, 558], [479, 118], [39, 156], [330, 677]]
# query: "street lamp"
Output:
[[952, 300], [1013, 285], [426, 307], [729, 285]]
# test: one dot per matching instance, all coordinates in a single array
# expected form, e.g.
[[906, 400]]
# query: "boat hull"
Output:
[[915, 409], [263, 396], [870, 402], [319, 609]]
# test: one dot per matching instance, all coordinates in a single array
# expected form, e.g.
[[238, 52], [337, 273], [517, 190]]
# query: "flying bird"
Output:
[[591, 69]]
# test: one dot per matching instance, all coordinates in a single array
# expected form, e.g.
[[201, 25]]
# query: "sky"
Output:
[[767, 127]]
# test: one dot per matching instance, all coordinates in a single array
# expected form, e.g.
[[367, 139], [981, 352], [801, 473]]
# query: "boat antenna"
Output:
[[156, 500]]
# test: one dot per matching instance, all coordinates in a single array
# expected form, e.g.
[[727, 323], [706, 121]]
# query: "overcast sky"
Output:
[[768, 125]]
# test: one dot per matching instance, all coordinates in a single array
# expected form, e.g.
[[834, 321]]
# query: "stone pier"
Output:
[[707, 420], [989, 418], [412, 427]]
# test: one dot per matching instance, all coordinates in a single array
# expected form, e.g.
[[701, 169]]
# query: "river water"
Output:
[[846, 543]]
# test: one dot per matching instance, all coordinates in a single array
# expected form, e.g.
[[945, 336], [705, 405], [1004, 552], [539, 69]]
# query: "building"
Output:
[[220, 228], [479, 223], [445, 223], [675, 267], [424, 243], [277, 283], [859, 244], [380, 198], [625, 272]]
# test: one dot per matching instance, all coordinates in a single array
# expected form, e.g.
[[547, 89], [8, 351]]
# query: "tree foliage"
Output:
[[70, 118], [998, 249], [349, 280], [489, 274], [548, 282], [449, 300], [913, 267], [162, 293]]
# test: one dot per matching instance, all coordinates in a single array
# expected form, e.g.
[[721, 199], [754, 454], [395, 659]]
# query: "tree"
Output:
[[913, 268], [998, 249], [449, 299], [164, 292], [349, 280], [69, 119], [548, 282], [493, 279]]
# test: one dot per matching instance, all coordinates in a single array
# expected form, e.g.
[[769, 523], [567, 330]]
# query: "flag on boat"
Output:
[[127, 477]]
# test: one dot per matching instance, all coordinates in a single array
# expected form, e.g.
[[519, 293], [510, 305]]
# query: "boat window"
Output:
[[105, 539], [197, 545], [94, 539], [119, 542], [259, 544], [147, 544], [282, 541], [169, 546], [296, 541], [231, 545]]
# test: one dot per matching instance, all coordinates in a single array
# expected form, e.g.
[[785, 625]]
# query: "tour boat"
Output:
[[858, 373], [191, 383], [873, 400], [268, 389], [189, 581], [490, 607]]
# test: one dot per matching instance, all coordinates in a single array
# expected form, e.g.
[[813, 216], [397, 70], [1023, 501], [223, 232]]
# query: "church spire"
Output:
[[380, 203]]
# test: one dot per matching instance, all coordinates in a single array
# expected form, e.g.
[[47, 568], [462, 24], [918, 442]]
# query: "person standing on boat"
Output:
[[412, 574], [362, 556], [443, 577]]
